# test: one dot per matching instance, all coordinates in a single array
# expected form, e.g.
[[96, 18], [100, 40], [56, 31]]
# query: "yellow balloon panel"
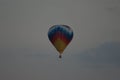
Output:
[[60, 45]]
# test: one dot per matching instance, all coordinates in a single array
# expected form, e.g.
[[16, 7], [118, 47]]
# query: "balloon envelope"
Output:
[[60, 36]]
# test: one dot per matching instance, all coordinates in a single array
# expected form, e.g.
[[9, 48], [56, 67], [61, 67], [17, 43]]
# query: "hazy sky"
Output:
[[27, 54]]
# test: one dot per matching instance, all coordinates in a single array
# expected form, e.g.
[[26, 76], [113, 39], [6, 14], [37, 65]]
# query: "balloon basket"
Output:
[[60, 56]]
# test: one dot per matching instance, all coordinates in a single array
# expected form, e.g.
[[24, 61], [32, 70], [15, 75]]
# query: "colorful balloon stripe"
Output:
[[60, 36], [65, 30]]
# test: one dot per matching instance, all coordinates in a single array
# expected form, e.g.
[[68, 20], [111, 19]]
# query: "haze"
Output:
[[27, 54]]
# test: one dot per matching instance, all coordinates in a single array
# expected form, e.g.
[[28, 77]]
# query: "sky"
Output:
[[27, 54]]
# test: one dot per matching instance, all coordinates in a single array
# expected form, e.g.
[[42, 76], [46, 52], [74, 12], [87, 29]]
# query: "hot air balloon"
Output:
[[60, 36]]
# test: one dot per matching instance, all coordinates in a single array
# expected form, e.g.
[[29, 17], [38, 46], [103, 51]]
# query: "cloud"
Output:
[[27, 63], [107, 54], [16, 55], [113, 6]]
